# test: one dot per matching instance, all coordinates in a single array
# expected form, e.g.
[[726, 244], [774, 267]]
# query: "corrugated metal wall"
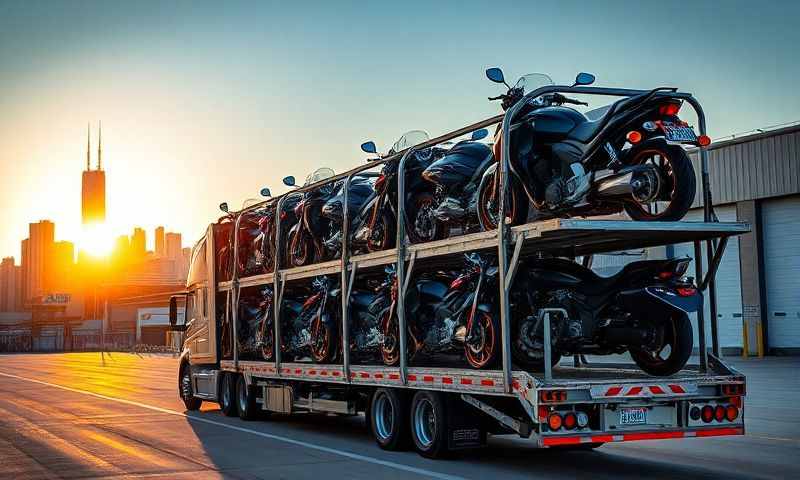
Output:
[[753, 167]]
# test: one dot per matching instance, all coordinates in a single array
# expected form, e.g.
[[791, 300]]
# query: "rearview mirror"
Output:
[[289, 181], [173, 314], [265, 192], [369, 147], [224, 207], [480, 134], [495, 74], [584, 78]]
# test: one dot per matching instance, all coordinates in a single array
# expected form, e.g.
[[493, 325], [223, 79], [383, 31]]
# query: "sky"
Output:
[[204, 102]]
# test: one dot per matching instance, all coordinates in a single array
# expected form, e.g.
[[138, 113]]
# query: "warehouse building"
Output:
[[754, 179]]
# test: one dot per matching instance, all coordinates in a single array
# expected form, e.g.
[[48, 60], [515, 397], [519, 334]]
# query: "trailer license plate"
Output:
[[679, 134], [633, 416]]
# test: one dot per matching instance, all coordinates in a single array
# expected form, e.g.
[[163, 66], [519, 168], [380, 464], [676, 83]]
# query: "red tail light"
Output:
[[554, 421], [666, 275], [731, 413], [733, 389], [707, 413], [686, 291], [719, 413], [634, 136], [553, 396], [669, 109], [704, 140], [570, 421], [542, 413]]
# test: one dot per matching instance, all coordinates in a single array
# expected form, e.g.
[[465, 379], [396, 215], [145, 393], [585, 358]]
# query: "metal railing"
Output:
[[506, 266]]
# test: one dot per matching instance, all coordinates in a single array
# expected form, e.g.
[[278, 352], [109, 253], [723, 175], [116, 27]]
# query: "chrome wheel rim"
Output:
[[384, 417], [425, 423], [186, 386]]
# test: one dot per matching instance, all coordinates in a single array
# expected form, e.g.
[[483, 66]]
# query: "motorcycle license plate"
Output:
[[678, 134], [633, 416]]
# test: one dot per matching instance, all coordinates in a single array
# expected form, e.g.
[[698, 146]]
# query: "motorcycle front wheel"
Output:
[[488, 196], [323, 341], [672, 350], [382, 234], [676, 187], [482, 346], [423, 227], [300, 249]]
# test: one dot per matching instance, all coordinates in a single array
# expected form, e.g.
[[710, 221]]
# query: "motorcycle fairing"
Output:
[[460, 165]]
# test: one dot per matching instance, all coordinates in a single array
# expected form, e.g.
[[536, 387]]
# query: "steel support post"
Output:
[[234, 293], [701, 324], [277, 286], [401, 262], [346, 284]]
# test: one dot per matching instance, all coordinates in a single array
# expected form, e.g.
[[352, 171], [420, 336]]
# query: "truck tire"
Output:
[[227, 394], [246, 399], [388, 419], [191, 402], [429, 425]]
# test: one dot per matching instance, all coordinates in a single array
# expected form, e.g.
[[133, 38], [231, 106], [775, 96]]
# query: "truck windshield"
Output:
[[197, 268]]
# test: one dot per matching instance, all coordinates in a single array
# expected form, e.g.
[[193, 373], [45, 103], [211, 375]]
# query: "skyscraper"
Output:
[[173, 244], [138, 243], [9, 284], [93, 186], [160, 246], [37, 257]]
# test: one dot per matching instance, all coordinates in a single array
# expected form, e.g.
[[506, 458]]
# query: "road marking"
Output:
[[342, 453]]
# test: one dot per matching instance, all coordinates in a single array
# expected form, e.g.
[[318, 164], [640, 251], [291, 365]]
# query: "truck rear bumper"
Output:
[[557, 440]]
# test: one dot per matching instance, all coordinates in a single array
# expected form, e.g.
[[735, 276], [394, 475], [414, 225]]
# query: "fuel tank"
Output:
[[552, 124], [462, 164]]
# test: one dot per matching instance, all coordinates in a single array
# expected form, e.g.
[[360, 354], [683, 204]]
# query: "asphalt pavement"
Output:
[[115, 415]]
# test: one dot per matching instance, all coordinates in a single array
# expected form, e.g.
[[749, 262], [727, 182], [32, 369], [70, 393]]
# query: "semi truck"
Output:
[[438, 410]]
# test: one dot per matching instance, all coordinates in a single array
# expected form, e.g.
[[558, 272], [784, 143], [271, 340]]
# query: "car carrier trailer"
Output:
[[444, 409]]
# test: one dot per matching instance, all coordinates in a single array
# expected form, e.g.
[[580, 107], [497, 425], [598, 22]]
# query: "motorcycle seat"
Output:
[[584, 132], [584, 280]]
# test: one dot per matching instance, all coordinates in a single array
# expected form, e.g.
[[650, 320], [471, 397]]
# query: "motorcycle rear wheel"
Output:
[[382, 235], [676, 166], [516, 204], [419, 215], [323, 341], [676, 333]]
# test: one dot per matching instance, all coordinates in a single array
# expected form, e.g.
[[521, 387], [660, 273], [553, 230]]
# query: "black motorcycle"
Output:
[[319, 318], [367, 307], [361, 192], [447, 312], [626, 156], [304, 242], [644, 309]]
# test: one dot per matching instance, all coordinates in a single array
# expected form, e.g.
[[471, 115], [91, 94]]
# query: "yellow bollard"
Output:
[[760, 339]]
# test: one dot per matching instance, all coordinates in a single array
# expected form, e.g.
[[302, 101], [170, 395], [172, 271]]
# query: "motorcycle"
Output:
[[255, 329], [626, 156], [644, 309], [448, 311], [367, 306], [441, 190], [319, 317], [304, 241], [361, 192]]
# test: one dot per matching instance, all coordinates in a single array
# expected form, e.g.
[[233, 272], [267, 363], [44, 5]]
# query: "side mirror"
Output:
[[495, 74], [265, 192], [173, 315], [584, 78], [289, 181], [224, 207], [480, 134], [369, 147]]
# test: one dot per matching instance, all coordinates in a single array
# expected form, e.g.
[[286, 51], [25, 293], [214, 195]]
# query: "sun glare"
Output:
[[96, 240]]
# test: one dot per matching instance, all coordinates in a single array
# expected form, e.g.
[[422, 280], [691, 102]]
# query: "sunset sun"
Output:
[[96, 240]]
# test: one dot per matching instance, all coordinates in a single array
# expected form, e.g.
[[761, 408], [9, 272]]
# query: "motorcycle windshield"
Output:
[[319, 175], [409, 139], [532, 81], [361, 189]]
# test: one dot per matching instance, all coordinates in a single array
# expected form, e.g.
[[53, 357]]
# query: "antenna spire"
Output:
[[88, 145], [100, 146]]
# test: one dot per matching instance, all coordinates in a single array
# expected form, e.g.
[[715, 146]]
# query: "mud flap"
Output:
[[463, 431]]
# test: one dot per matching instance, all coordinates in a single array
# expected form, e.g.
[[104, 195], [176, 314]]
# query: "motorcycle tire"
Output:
[[300, 249], [524, 361], [388, 225], [678, 335], [517, 204], [680, 172], [489, 352], [437, 231], [323, 341]]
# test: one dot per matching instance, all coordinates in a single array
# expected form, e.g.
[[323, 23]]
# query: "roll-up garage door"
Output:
[[728, 283], [781, 237]]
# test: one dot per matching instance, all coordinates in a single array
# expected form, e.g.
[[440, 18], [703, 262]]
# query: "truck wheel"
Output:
[[429, 424], [389, 419], [187, 392], [246, 399], [227, 395]]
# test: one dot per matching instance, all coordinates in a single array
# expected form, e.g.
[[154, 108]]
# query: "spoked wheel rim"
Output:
[[488, 204], [320, 340], [657, 193], [480, 350], [425, 422], [384, 417], [661, 354], [390, 347], [425, 227]]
